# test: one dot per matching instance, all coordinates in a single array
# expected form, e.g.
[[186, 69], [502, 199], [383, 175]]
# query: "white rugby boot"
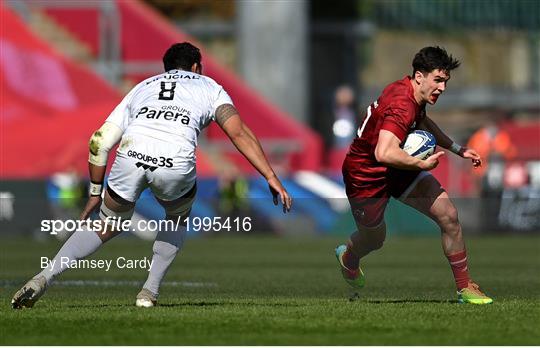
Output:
[[28, 295], [146, 299]]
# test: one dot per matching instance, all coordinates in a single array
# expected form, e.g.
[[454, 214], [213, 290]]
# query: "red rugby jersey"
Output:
[[395, 110]]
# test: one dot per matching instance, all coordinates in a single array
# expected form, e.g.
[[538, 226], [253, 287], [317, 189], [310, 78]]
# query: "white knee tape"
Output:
[[105, 212]]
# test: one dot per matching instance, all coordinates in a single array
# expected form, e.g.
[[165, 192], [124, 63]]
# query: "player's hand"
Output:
[[432, 161], [93, 203], [473, 155], [276, 188]]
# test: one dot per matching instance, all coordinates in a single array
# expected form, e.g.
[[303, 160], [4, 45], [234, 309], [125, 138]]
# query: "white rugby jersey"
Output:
[[163, 115]]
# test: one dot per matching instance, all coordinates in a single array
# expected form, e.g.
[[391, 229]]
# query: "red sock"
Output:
[[350, 260], [458, 262]]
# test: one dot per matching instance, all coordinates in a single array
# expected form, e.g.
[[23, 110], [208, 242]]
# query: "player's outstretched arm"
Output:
[[100, 144], [247, 143], [390, 154], [443, 140], [446, 142]]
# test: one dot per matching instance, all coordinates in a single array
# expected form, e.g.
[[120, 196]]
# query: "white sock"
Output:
[[165, 248], [78, 246]]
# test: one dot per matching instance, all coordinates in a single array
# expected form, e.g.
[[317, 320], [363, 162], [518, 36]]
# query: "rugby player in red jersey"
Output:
[[376, 168]]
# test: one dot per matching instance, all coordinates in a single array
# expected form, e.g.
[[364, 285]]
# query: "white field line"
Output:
[[116, 283]]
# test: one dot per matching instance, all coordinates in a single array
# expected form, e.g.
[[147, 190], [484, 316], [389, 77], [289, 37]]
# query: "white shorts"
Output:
[[130, 175]]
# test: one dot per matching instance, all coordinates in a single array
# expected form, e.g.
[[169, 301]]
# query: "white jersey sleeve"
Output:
[[221, 97]]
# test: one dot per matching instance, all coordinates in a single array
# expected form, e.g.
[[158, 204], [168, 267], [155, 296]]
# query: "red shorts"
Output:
[[369, 186]]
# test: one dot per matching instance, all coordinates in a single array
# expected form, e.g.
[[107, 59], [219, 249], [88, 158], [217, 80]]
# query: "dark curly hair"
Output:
[[431, 58], [181, 56]]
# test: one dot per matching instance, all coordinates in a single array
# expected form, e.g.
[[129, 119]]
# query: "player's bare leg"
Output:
[[431, 199], [365, 240], [361, 243], [80, 244]]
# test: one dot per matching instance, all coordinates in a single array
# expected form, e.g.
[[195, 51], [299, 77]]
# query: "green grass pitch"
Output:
[[279, 291]]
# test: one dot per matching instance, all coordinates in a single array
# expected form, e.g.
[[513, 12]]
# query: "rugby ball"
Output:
[[420, 144]]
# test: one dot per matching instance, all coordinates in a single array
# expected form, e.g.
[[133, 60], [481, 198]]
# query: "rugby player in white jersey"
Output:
[[157, 124]]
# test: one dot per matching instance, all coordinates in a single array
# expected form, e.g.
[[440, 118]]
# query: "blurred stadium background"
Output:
[[301, 74]]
